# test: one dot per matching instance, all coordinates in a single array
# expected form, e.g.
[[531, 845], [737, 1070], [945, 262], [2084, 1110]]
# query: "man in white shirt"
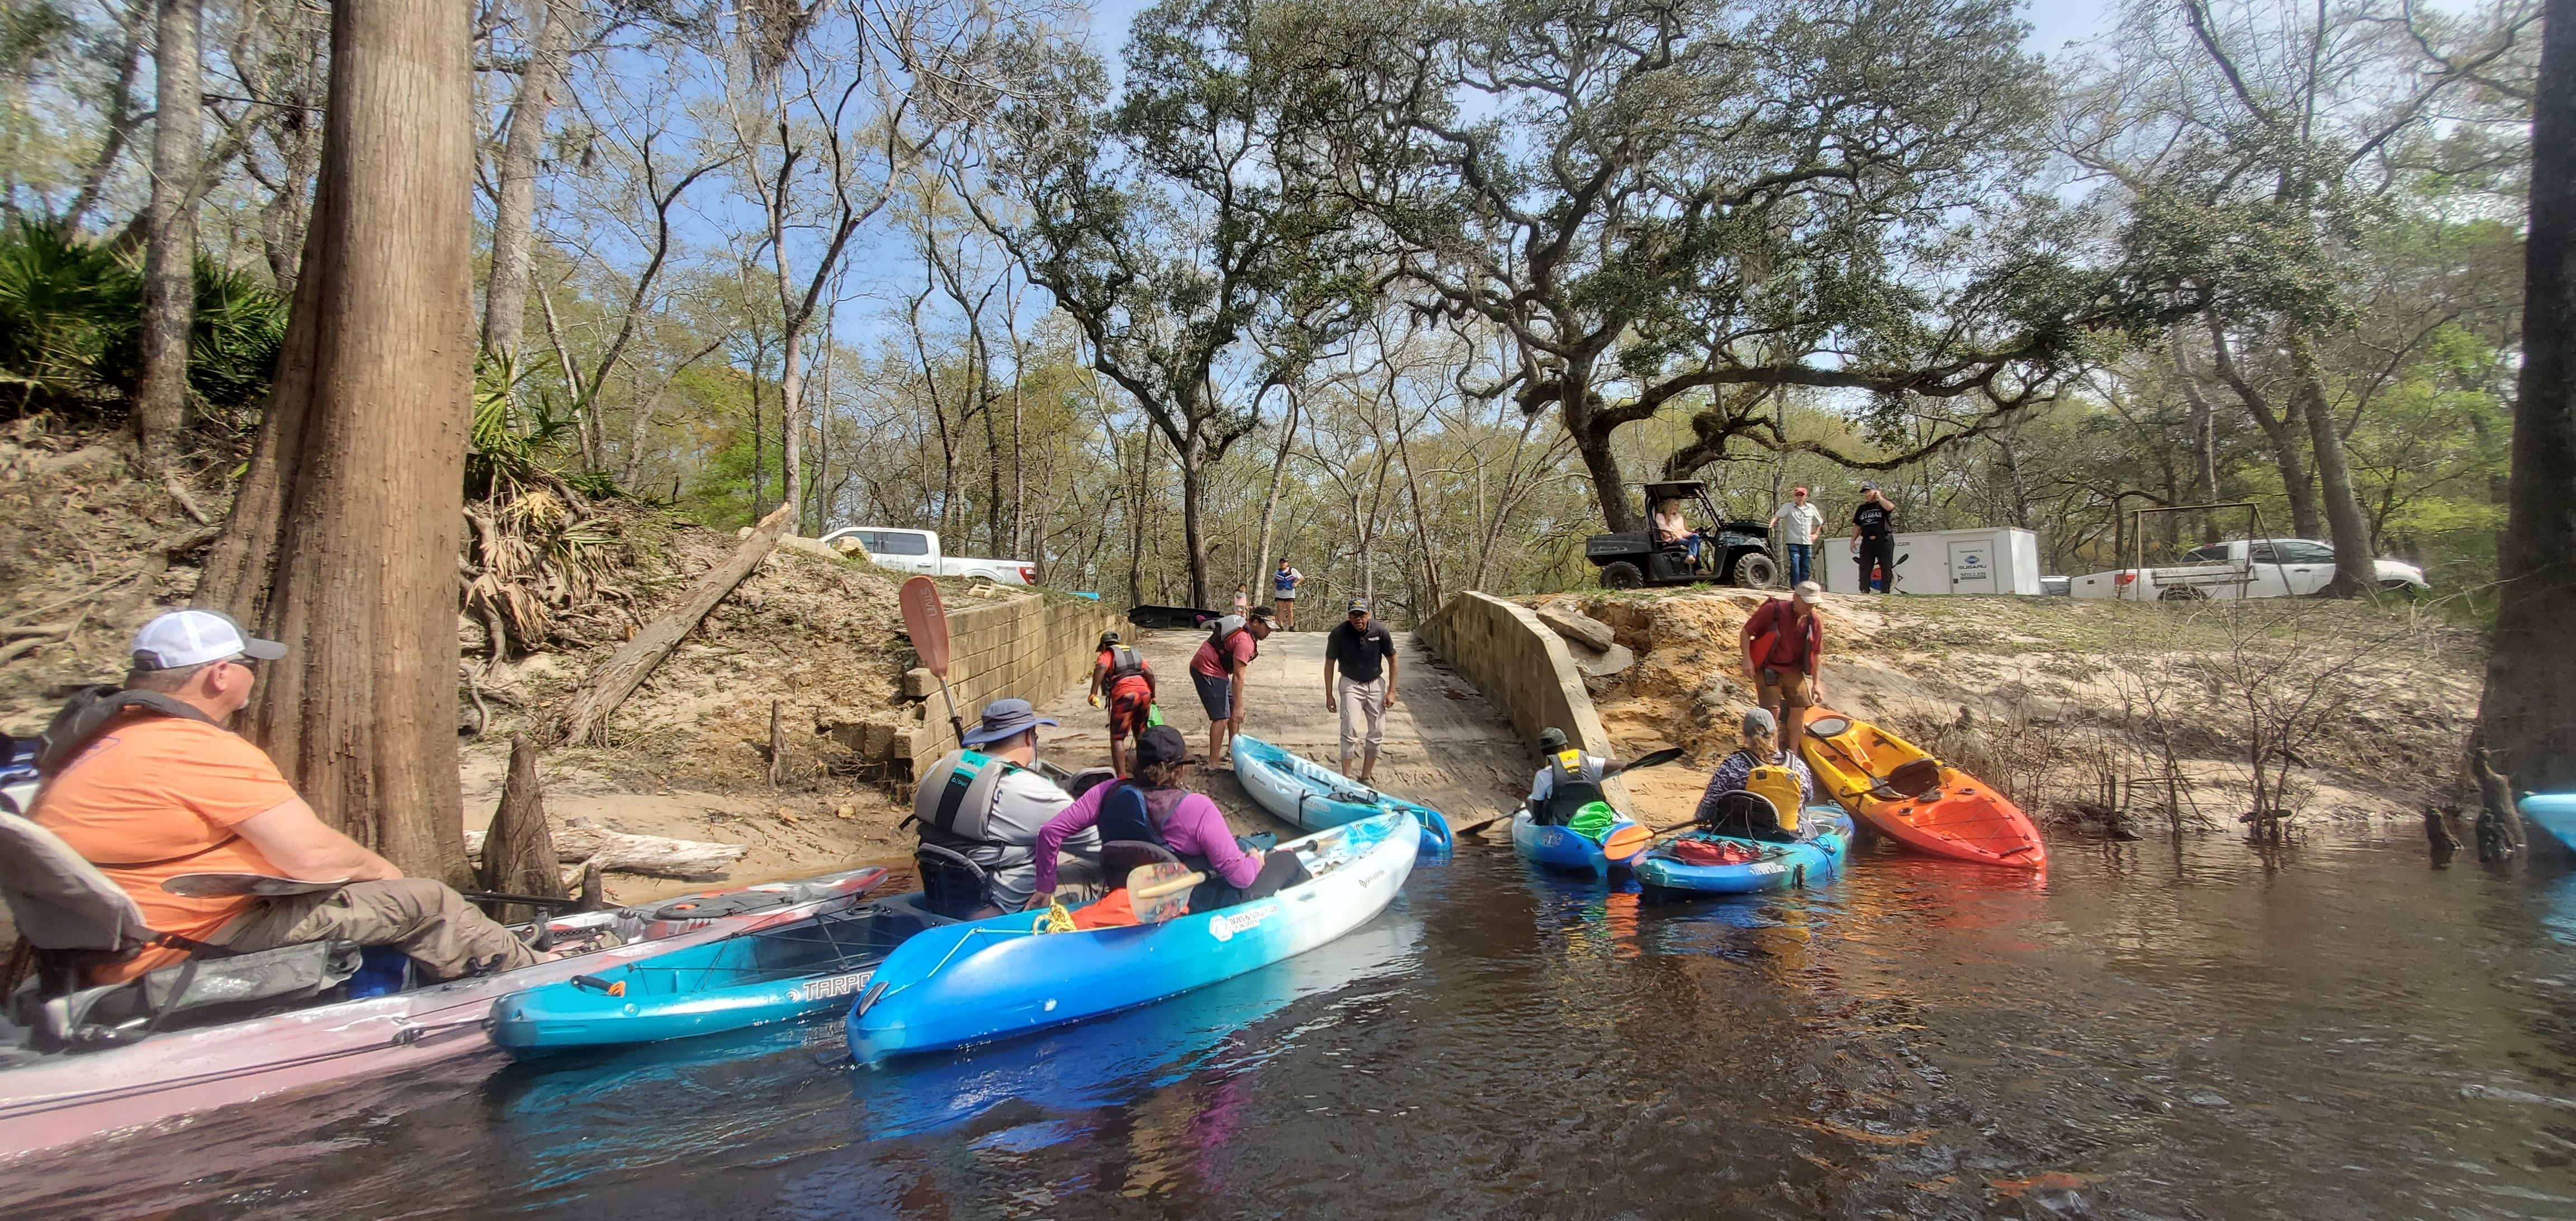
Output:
[[1806, 525]]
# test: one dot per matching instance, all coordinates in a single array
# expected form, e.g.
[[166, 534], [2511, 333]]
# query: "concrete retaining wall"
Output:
[[1523, 668], [1029, 648]]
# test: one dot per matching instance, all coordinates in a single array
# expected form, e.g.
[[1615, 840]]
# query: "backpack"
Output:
[[88, 715]]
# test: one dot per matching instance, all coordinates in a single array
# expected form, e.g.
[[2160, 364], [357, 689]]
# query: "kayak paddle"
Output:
[[1656, 758]]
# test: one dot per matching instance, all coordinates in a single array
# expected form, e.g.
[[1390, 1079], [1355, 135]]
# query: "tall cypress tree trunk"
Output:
[[343, 541], [169, 263], [2532, 665], [505, 304], [2356, 565]]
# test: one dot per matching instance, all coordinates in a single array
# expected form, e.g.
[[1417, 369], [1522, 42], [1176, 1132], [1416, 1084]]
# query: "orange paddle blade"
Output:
[[1626, 842]]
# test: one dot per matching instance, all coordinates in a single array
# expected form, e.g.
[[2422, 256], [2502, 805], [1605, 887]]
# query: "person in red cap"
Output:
[[158, 788], [1806, 525]]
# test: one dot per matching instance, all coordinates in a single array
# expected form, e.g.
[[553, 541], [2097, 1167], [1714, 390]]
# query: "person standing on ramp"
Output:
[[1364, 651]]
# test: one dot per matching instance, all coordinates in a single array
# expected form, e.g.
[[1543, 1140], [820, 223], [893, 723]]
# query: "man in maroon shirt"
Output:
[[1783, 641], [1219, 670]]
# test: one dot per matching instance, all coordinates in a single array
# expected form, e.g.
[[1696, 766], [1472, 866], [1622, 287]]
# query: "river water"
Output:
[[2201, 1029]]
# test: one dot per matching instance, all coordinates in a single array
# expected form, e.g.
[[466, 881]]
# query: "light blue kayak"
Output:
[[1000, 976], [774, 975], [2556, 814], [1564, 848], [1315, 797], [1766, 865]]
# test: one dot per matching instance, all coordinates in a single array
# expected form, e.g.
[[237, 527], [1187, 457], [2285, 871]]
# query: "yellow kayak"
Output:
[[1915, 799]]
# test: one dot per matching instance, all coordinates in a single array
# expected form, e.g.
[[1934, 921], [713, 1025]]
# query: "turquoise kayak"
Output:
[[1315, 797], [1003, 975], [1748, 866], [2555, 812], [1564, 848], [773, 975]]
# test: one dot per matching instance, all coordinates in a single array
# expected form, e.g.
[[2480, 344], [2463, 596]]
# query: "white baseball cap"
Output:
[[186, 638]]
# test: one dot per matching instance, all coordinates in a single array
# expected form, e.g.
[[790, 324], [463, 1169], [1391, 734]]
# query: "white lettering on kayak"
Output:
[[1223, 927], [825, 989]]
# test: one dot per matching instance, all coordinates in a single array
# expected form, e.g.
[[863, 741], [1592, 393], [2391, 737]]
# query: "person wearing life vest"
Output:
[[1757, 767], [1783, 642], [1222, 668], [1122, 678], [1567, 781], [1154, 807], [148, 785], [984, 801]]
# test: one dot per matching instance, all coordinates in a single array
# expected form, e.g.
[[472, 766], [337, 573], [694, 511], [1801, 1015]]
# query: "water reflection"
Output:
[[2153, 1029]]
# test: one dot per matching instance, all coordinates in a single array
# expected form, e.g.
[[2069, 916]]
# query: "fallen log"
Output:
[[586, 717], [586, 841], [1578, 627]]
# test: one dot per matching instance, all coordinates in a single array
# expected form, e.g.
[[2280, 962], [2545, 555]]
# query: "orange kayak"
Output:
[[1915, 799]]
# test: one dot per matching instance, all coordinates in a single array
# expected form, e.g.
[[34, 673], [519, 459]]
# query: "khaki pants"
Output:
[[432, 924], [1784, 693], [1361, 702]]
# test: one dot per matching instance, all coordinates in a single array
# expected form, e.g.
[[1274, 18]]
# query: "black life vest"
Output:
[[1569, 791], [1124, 816]]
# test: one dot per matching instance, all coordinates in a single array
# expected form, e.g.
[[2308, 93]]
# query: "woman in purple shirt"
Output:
[[1152, 807]]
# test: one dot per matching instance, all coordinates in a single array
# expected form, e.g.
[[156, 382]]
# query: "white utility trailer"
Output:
[[1987, 560]]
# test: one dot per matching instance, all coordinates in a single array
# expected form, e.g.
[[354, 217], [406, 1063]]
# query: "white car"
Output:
[[902, 550], [2264, 568]]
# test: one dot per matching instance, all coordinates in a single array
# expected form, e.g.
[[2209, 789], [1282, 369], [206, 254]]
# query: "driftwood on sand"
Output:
[[586, 715], [582, 841]]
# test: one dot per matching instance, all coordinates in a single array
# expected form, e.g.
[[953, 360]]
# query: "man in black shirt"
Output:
[[1873, 539], [1365, 653]]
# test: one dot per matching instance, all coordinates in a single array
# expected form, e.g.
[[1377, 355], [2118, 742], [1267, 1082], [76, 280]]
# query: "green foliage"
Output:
[[70, 338]]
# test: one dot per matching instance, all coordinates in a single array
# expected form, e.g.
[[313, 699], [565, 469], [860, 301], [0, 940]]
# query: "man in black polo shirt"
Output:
[[1365, 653]]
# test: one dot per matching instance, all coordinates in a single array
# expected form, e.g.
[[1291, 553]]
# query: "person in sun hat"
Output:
[[1784, 645], [986, 801], [147, 784]]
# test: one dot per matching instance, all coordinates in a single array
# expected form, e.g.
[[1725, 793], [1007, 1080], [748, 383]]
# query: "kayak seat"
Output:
[[952, 885], [1915, 777], [1089, 778], [1120, 857], [1743, 815]]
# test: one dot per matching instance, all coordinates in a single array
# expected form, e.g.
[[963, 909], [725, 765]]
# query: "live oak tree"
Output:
[[343, 538], [1660, 198], [2532, 664]]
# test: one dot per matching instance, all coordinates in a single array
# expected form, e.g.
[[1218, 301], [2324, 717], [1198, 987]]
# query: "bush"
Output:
[[70, 327]]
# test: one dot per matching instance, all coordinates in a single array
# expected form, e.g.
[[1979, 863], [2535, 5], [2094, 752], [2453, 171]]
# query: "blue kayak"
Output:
[[1003, 976], [774, 975], [1765, 865], [1564, 848], [2555, 812], [1315, 797]]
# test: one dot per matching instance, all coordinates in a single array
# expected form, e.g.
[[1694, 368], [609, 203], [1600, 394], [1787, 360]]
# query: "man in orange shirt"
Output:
[[153, 796]]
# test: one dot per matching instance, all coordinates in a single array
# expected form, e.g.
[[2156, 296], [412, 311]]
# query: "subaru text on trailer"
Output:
[[1736, 552], [901, 550]]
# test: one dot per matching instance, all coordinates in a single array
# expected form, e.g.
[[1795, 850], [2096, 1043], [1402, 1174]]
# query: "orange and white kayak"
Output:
[[1915, 799]]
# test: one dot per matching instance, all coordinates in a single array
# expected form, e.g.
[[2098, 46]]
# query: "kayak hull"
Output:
[[1300, 791], [778, 974], [60, 1100], [1562, 849], [1794, 866], [2556, 814], [1962, 819], [997, 978]]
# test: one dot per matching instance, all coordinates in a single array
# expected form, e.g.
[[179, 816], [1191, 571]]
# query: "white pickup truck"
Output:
[[2269, 568], [918, 551]]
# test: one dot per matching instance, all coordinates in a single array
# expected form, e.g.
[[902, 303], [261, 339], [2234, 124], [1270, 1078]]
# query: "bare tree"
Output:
[[170, 257]]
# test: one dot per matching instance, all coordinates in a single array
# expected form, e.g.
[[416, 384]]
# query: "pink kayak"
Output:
[[48, 1101]]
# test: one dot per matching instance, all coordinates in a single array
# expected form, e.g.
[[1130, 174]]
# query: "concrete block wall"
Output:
[[1523, 669], [1027, 648]]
